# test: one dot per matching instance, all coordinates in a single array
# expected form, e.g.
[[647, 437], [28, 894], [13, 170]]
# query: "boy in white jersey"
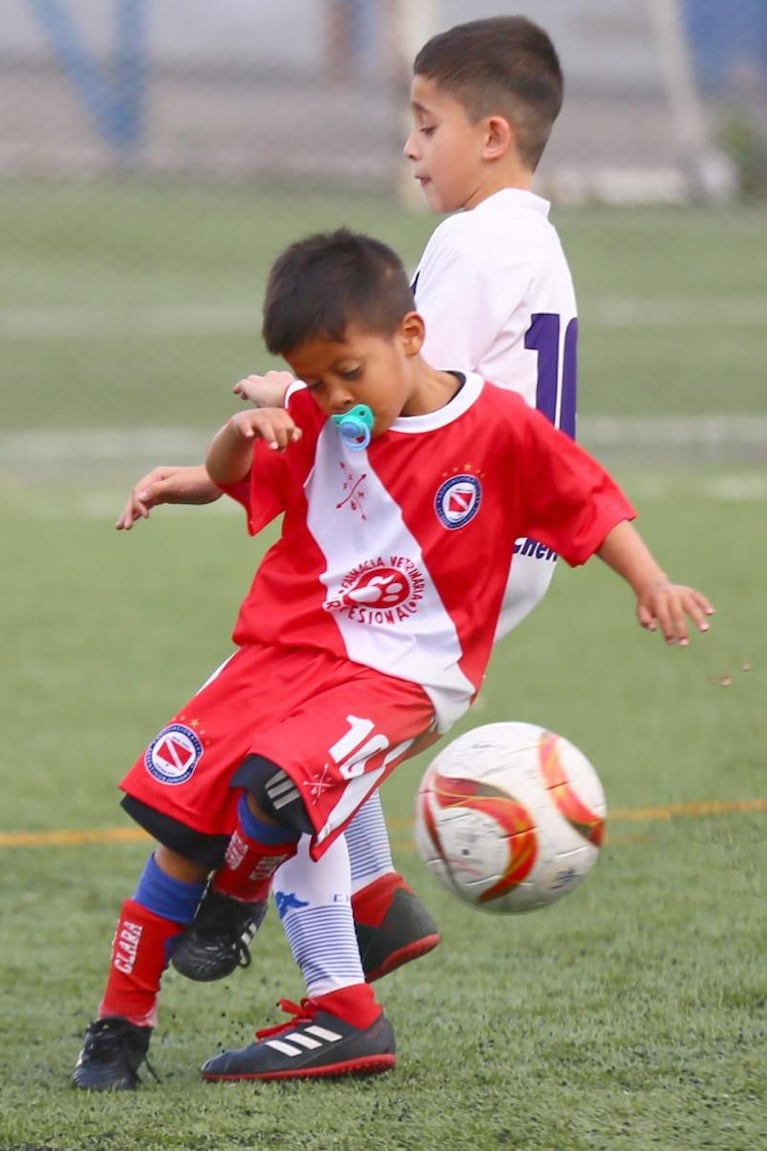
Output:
[[356, 639], [495, 290]]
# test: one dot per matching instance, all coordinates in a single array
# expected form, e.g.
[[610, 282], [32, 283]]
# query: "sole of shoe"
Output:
[[105, 1085], [199, 973], [402, 956], [367, 1065]]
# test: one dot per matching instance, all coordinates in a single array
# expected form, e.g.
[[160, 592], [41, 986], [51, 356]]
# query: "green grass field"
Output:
[[631, 1014]]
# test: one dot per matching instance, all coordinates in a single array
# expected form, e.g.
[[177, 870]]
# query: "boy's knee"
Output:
[[274, 792], [206, 851]]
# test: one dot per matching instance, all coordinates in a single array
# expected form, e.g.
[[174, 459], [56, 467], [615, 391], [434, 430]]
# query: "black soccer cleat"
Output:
[[112, 1053], [406, 932], [218, 939], [313, 1045]]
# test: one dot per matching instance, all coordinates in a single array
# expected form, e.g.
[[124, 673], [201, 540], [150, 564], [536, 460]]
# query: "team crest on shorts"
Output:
[[174, 754], [457, 501]]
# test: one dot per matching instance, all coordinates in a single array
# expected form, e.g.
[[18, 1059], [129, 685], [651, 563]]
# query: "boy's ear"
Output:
[[499, 137], [412, 332]]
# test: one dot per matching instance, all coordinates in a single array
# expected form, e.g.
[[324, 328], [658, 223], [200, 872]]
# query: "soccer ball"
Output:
[[510, 817]]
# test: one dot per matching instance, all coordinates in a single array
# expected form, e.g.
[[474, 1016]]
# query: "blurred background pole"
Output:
[[351, 39], [410, 25], [711, 176]]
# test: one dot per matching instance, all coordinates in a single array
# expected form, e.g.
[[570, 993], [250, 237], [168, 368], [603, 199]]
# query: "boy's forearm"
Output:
[[229, 456], [624, 550], [191, 485]]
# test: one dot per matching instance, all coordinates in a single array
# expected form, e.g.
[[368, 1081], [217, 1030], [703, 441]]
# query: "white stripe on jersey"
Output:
[[428, 651]]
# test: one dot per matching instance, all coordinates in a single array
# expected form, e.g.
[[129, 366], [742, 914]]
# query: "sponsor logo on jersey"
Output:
[[457, 501], [174, 754], [380, 591], [531, 547]]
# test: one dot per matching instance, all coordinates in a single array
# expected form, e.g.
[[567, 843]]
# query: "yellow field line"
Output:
[[622, 815], [71, 838], [703, 807]]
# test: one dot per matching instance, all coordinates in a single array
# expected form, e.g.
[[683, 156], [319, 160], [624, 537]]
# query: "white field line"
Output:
[[51, 323], [737, 440], [94, 323], [38, 447], [727, 488], [713, 430], [677, 312]]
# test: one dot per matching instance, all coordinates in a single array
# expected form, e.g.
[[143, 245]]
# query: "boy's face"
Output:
[[447, 150], [383, 372]]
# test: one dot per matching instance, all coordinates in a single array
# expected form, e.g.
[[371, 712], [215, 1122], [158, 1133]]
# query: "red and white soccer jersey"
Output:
[[495, 290], [370, 623], [397, 557]]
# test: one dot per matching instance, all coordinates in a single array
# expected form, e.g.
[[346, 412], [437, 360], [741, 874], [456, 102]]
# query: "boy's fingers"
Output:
[[698, 615], [703, 603], [646, 617]]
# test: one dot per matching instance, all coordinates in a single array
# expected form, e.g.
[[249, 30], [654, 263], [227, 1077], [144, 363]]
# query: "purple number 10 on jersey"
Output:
[[555, 392]]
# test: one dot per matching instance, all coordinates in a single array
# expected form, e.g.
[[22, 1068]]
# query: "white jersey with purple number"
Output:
[[495, 290]]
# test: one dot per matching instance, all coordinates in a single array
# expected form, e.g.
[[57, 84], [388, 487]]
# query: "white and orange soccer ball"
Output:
[[510, 817]]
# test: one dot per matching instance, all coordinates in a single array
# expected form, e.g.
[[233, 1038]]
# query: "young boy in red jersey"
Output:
[[357, 639], [495, 290]]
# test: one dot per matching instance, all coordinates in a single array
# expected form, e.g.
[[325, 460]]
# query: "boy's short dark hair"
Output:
[[505, 65], [321, 285]]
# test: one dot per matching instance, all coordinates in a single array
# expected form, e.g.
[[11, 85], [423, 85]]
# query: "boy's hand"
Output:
[[273, 425], [265, 391], [167, 485], [668, 606]]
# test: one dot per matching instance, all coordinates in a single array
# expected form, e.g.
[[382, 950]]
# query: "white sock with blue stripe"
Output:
[[314, 903], [368, 841]]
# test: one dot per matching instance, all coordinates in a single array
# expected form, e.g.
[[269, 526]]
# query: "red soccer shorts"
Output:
[[335, 727]]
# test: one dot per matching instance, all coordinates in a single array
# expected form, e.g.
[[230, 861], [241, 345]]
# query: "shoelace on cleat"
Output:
[[303, 1012], [104, 1035], [223, 920]]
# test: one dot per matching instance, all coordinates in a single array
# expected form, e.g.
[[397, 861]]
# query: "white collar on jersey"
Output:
[[519, 197], [460, 403], [414, 425]]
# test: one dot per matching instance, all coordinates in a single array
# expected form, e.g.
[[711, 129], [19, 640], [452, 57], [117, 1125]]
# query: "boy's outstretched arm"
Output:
[[231, 450], [660, 603], [167, 485]]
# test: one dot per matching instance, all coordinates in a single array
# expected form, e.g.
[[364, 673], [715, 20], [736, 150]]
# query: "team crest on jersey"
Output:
[[174, 754], [380, 591], [457, 501]]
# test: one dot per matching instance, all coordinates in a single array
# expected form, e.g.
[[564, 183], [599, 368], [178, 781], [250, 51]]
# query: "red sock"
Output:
[[249, 865], [139, 956], [356, 1004], [371, 903]]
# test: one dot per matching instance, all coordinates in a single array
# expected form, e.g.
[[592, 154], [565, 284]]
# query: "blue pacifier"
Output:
[[355, 427]]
